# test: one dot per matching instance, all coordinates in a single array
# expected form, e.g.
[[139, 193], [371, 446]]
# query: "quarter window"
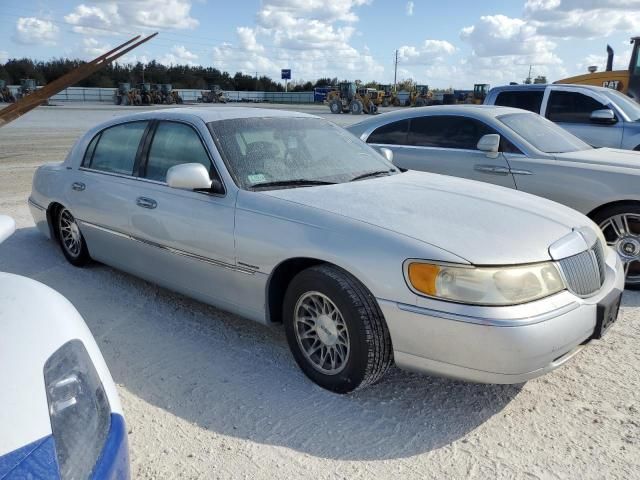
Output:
[[531, 100], [447, 132], [571, 107], [394, 133], [174, 144], [117, 148]]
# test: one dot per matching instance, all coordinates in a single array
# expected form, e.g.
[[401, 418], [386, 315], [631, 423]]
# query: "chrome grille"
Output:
[[584, 272]]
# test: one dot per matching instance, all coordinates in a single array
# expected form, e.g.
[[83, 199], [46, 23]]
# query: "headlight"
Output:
[[78, 408], [509, 285]]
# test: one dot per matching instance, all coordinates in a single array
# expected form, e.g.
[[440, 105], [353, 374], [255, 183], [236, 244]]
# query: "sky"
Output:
[[441, 44]]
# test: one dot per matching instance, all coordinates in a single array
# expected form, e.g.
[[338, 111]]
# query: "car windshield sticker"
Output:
[[257, 178]]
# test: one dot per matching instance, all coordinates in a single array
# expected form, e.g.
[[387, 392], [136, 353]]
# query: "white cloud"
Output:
[[409, 8], [35, 31], [113, 15], [583, 18], [179, 55], [431, 51], [92, 48], [312, 37]]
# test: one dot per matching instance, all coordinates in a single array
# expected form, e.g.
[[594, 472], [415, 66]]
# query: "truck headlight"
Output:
[[78, 409], [508, 285]]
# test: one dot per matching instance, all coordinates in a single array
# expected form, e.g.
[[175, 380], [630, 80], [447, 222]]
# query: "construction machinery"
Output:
[[372, 93], [480, 91], [41, 95], [213, 95], [5, 94], [125, 95], [419, 97], [389, 96], [625, 81], [346, 99], [27, 87]]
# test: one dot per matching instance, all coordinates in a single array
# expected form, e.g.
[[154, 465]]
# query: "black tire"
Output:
[[370, 353], [421, 102], [335, 106], [385, 102], [632, 211], [79, 256], [356, 107]]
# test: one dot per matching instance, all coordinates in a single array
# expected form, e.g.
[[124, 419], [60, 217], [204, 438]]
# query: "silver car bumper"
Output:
[[39, 214], [498, 344]]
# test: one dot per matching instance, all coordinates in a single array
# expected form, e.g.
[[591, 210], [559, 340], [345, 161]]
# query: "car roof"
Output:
[[206, 114], [475, 111], [542, 86]]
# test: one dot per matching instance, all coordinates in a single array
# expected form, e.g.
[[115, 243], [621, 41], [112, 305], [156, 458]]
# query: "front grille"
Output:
[[585, 271]]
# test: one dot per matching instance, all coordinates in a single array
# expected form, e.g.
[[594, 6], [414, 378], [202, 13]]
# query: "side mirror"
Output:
[[489, 143], [387, 153], [7, 227], [189, 176], [604, 115]]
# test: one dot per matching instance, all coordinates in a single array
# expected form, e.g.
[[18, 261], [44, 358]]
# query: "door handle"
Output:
[[492, 169], [516, 171], [145, 202], [78, 186]]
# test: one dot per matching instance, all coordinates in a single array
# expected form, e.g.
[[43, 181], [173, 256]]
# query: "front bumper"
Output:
[[113, 463], [495, 344]]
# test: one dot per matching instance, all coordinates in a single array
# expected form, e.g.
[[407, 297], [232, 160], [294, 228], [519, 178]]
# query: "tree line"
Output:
[[180, 76]]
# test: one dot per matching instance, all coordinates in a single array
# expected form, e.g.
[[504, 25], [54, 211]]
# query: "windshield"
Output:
[[544, 135], [630, 108], [286, 152]]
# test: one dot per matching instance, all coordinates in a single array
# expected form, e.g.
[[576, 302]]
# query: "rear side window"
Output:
[[447, 132], [174, 144], [571, 107], [531, 100], [117, 148], [394, 133]]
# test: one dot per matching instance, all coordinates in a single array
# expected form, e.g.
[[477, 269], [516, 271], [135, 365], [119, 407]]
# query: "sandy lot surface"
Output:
[[209, 395]]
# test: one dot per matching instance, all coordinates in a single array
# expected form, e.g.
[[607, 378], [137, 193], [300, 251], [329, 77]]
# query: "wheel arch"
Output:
[[52, 212], [615, 203]]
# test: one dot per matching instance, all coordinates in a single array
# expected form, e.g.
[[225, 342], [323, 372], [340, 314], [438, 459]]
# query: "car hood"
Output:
[[611, 157], [482, 223]]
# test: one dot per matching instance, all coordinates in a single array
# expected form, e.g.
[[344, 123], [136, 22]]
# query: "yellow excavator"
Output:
[[346, 98], [625, 81]]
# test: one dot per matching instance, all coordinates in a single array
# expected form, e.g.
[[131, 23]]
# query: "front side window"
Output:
[[531, 100], [174, 144], [117, 147], [394, 133], [544, 135], [447, 132], [571, 107], [285, 152]]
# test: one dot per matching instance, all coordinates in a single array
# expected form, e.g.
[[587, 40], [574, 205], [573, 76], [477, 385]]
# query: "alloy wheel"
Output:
[[321, 333], [69, 233], [622, 233]]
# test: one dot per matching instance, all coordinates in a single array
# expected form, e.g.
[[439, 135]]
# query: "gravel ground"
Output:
[[209, 395]]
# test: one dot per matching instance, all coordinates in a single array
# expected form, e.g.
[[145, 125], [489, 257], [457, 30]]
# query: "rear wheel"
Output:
[[335, 330], [71, 240], [620, 225]]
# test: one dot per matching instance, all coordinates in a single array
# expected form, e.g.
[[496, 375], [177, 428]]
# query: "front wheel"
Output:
[[71, 240], [620, 225], [335, 330], [335, 106]]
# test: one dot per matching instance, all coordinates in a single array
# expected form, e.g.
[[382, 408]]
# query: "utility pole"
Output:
[[395, 72]]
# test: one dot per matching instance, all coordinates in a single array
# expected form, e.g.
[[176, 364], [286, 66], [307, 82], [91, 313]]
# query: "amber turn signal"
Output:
[[423, 277]]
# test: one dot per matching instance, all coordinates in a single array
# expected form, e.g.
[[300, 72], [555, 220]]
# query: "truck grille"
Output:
[[585, 272]]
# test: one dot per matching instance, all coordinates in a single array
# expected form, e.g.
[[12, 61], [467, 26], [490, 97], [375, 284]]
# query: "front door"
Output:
[[185, 237], [572, 111]]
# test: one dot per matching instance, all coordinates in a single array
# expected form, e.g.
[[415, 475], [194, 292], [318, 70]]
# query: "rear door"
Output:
[[525, 99], [101, 191], [444, 144], [571, 109]]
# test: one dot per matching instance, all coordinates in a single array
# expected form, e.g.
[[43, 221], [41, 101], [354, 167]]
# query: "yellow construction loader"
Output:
[[625, 81], [346, 99]]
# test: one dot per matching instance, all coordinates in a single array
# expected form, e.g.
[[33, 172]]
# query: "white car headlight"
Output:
[[508, 285], [78, 409]]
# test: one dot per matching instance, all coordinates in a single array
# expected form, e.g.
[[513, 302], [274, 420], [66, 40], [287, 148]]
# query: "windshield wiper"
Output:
[[296, 182], [372, 174]]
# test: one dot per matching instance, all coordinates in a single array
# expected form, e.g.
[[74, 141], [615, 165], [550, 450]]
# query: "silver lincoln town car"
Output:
[[283, 217]]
